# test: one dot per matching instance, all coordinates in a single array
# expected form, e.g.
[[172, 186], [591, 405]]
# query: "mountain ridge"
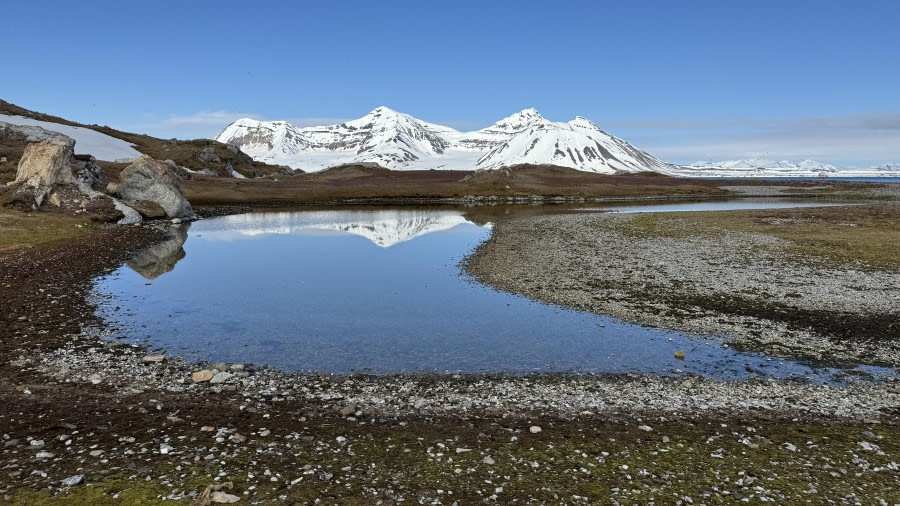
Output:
[[399, 141]]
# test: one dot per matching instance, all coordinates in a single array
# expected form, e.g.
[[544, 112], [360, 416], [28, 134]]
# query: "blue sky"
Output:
[[685, 80]]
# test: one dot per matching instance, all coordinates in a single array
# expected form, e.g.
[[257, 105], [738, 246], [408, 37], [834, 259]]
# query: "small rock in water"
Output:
[[220, 377], [534, 429], [201, 376], [154, 359], [71, 481], [679, 354], [223, 498]]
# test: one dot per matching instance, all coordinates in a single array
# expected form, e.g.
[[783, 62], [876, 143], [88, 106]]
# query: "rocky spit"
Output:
[[679, 280]]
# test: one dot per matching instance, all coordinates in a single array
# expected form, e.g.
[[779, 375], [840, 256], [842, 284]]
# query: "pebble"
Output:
[[645, 428], [220, 377], [45, 455], [165, 449], [153, 359], [534, 429], [223, 498], [96, 453], [488, 460], [679, 354], [71, 481], [201, 376]]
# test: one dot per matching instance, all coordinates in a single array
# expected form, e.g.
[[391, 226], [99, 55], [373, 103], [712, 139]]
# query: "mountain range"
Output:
[[398, 141]]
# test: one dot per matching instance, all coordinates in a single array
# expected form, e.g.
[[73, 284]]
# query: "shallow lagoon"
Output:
[[380, 291]]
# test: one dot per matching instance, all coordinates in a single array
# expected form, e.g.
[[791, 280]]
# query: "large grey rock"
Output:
[[46, 164], [148, 179]]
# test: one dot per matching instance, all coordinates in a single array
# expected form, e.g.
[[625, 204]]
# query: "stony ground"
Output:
[[813, 283], [91, 422]]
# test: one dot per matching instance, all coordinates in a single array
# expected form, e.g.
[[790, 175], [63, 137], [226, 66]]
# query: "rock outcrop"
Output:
[[44, 165], [149, 180]]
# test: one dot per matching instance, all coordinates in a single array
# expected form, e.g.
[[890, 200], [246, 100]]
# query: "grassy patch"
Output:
[[22, 230], [855, 235]]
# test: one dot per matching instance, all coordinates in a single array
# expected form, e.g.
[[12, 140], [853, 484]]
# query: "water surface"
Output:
[[379, 291]]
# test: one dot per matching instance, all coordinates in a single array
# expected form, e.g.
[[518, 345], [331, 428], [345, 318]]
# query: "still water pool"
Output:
[[379, 291]]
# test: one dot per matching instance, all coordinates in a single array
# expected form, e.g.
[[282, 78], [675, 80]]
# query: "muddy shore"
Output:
[[124, 430]]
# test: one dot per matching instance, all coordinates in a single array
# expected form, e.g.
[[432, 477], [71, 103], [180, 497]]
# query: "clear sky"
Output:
[[684, 80]]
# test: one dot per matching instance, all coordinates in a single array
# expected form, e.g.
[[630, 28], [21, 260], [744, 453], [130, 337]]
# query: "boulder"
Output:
[[150, 180], [148, 209], [208, 154], [44, 165]]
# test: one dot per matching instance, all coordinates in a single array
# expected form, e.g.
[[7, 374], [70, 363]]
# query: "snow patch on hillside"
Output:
[[87, 141]]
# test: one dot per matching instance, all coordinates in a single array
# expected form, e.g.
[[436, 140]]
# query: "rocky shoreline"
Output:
[[700, 279], [93, 420]]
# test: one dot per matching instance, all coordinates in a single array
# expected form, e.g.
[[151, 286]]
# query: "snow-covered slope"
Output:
[[87, 141], [399, 141], [578, 144]]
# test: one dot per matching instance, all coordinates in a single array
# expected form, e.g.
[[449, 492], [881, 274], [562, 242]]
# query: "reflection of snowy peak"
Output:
[[386, 230], [399, 141], [383, 228]]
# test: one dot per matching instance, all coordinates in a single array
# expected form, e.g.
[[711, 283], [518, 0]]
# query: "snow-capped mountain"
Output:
[[759, 167], [399, 141], [383, 228], [578, 144]]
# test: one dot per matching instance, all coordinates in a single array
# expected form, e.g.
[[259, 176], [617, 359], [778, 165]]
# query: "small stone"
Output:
[[220, 367], [869, 434], [71, 481], [645, 428], [223, 498], [488, 460], [238, 438], [44, 455], [348, 410], [96, 453], [264, 432], [207, 428], [789, 447], [237, 367], [220, 377], [534, 429], [165, 449], [201, 376], [665, 439], [154, 359], [679, 354], [95, 378]]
